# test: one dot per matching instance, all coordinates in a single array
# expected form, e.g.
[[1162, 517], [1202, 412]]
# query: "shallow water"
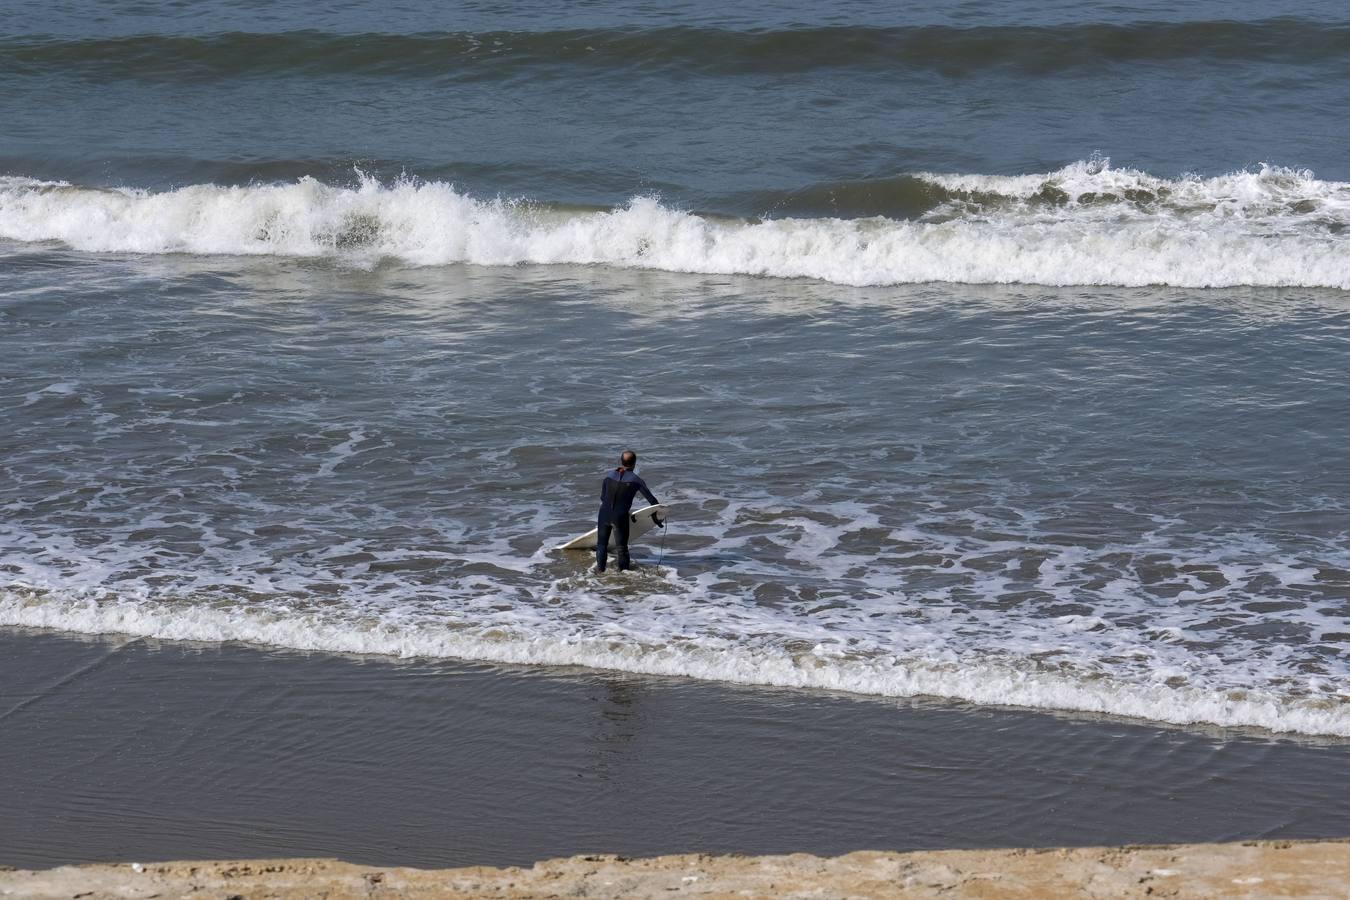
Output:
[[1007, 495]]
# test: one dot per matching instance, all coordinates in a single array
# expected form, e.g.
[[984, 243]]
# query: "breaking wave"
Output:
[[1085, 224]]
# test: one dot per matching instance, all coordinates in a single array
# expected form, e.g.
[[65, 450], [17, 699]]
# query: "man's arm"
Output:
[[646, 492]]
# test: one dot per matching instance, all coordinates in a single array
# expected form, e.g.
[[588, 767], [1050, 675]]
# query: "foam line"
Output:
[[978, 681]]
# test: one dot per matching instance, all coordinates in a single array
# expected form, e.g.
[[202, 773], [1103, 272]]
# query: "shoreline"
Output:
[[991, 684], [999, 695], [1248, 869]]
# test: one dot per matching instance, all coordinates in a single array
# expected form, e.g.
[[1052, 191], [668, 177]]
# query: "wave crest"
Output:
[[1086, 224]]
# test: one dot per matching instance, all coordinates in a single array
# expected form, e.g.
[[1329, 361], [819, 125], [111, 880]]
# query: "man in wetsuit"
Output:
[[617, 491]]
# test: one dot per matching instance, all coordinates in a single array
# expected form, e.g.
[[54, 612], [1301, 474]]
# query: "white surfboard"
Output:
[[641, 521]]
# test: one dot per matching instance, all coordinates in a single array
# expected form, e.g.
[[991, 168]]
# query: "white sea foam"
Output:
[[877, 623], [1087, 224], [985, 681], [60, 389]]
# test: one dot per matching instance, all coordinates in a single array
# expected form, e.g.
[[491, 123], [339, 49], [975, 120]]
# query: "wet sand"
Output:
[[116, 750], [1253, 869]]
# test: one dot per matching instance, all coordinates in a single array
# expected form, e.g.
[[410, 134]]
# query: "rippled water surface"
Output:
[[992, 351], [1128, 500]]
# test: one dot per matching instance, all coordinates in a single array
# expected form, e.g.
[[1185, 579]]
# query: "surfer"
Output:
[[617, 491]]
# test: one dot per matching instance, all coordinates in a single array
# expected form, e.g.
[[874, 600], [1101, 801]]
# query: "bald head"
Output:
[[628, 459]]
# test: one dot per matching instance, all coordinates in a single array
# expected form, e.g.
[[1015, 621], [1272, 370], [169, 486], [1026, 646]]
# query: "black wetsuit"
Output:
[[616, 499]]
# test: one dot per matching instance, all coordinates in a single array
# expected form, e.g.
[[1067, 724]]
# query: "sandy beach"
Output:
[[1251, 869]]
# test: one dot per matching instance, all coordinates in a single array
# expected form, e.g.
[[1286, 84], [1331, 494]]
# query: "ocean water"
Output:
[[996, 351]]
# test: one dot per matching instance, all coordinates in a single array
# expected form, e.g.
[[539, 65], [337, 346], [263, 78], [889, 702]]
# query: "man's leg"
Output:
[[601, 545], [621, 543]]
